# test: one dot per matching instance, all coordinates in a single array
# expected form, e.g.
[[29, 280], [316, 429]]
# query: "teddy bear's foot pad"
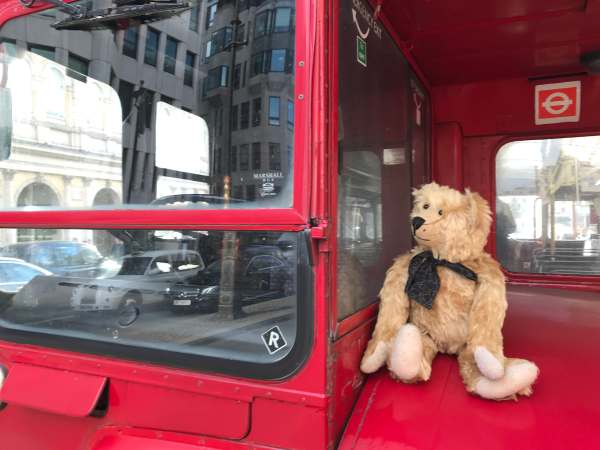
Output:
[[517, 378], [406, 353], [488, 364]]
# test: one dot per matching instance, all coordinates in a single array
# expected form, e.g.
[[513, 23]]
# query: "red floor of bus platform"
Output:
[[558, 330]]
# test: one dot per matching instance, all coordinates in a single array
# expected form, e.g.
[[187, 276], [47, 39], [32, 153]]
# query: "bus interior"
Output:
[[482, 62]]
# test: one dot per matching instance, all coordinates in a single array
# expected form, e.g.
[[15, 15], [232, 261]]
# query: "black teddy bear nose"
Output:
[[417, 222]]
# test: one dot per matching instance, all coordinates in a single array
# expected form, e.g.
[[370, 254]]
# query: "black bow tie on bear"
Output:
[[423, 281]]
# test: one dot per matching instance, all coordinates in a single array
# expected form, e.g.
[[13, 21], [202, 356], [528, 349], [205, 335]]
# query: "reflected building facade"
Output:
[[228, 61]]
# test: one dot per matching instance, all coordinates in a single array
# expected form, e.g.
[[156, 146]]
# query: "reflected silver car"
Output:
[[143, 279]]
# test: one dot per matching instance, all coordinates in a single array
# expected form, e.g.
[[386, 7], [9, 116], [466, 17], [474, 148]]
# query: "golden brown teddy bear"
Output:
[[447, 295]]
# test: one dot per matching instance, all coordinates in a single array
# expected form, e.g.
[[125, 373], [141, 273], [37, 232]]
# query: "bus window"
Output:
[[191, 298], [547, 206], [148, 112], [383, 145]]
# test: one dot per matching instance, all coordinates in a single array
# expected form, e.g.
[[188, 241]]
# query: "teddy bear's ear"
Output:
[[480, 218]]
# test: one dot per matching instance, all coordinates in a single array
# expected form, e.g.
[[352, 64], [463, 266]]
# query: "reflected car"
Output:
[[261, 273], [63, 258], [14, 274], [143, 279]]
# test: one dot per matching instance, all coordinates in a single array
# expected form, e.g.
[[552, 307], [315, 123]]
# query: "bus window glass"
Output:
[[547, 206], [187, 292], [383, 145], [146, 120]]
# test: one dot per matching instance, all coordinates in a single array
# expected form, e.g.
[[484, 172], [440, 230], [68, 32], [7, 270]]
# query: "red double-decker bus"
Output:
[[200, 199]]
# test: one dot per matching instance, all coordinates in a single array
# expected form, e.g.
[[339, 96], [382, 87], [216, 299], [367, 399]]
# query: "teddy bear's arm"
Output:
[[393, 313], [488, 309]]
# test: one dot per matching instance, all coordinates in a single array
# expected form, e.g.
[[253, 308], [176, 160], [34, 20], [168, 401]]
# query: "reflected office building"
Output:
[[200, 103]]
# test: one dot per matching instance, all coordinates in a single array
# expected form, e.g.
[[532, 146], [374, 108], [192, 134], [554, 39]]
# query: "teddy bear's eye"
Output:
[[426, 206], [440, 212]]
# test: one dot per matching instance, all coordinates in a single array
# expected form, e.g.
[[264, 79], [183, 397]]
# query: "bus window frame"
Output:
[[564, 281], [293, 219], [141, 216], [282, 369]]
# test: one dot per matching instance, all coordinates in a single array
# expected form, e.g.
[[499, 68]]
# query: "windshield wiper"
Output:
[[116, 17]]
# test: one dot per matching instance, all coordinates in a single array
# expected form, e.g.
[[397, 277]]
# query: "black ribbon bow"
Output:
[[423, 281]]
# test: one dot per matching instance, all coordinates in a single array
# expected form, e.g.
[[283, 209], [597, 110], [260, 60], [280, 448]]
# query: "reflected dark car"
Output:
[[261, 273], [14, 274], [63, 257]]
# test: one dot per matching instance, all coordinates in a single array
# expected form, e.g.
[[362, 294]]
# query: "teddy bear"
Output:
[[447, 295]]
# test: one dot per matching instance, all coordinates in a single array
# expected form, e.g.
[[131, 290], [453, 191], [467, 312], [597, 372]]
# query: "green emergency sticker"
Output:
[[361, 51]]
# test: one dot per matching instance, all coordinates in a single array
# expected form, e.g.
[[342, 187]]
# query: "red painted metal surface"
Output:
[[126, 438], [447, 155], [134, 443], [556, 329], [60, 392], [288, 425], [176, 410], [457, 42]]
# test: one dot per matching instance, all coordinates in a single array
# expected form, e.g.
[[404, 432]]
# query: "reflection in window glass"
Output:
[[256, 111], [170, 55], [245, 115], [282, 20], [151, 52], [274, 156], [290, 114], [78, 66], [130, 42], [273, 110], [194, 17], [70, 104], [205, 293], [211, 12], [547, 206], [374, 195], [256, 156], [190, 63], [43, 51], [261, 24], [244, 157], [277, 60]]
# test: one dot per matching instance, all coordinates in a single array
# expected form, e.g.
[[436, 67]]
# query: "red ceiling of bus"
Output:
[[457, 42]]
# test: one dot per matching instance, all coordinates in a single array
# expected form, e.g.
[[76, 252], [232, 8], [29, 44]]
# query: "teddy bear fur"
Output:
[[467, 316]]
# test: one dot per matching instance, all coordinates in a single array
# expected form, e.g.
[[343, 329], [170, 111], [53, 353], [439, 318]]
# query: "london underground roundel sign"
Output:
[[557, 102]]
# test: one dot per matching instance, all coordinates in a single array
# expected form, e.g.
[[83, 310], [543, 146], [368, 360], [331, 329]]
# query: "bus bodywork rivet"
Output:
[[301, 64], [301, 97]]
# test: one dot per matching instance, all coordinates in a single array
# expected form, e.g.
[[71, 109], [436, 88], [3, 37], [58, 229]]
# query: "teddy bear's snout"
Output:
[[417, 222]]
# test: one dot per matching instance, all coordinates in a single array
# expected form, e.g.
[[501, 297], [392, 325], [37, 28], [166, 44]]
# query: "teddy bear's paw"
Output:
[[406, 353], [488, 364], [517, 378], [373, 361]]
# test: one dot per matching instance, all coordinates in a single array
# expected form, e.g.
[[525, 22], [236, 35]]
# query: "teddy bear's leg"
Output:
[[393, 314], [518, 377], [430, 350], [411, 354], [375, 356]]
